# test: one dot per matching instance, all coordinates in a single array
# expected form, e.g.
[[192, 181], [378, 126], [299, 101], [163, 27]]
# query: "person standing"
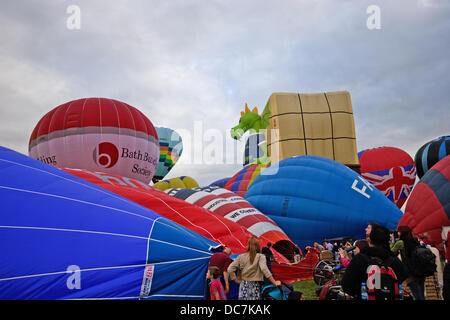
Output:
[[378, 249], [215, 288], [329, 246], [269, 255], [344, 256], [405, 246], [369, 229], [446, 273], [252, 269], [222, 260]]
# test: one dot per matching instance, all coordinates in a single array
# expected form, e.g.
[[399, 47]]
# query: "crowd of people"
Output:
[[394, 255], [396, 249]]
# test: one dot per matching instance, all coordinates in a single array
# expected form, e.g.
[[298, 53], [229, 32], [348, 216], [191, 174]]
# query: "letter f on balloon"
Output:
[[364, 187]]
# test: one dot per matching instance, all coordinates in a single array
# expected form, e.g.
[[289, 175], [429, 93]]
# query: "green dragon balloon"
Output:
[[256, 146]]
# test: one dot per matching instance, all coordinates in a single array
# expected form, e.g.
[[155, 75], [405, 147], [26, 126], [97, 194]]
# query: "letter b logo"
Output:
[[106, 155]]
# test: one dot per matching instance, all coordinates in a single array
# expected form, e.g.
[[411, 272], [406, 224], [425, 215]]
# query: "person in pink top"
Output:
[[216, 288], [345, 259]]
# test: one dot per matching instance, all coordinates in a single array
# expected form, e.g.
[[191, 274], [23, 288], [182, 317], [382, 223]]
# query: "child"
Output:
[[216, 288]]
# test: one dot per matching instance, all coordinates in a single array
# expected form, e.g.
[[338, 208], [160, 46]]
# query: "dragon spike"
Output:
[[247, 110], [242, 113], [255, 110]]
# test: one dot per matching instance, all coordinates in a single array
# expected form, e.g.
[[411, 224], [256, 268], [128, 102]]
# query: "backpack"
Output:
[[271, 292], [382, 282], [421, 263]]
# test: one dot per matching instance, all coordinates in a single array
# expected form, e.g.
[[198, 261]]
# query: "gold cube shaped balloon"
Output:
[[319, 124]]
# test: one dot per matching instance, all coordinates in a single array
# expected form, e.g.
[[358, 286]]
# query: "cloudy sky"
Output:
[[194, 64]]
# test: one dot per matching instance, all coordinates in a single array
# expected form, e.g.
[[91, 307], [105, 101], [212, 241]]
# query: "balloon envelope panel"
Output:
[[313, 198], [97, 134], [391, 170], [430, 154], [65, 238], [241, 181], [179, 182], [170, 150], [237, 209], [220, 183], [428, 208], [204, 222]]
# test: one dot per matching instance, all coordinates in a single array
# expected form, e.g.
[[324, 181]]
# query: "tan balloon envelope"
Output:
[[319, 124]]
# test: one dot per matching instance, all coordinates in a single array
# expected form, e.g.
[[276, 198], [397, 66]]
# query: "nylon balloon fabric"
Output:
[[313, 198], [170, 150], [179, 182], [237, 209], [428, 208], [241, 181], [97, 134], [391, 170], [204, 222], [430, 154], [65, 238], [220, 183]]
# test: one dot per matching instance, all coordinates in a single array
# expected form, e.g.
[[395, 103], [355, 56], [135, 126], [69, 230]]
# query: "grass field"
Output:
[[308, 287]]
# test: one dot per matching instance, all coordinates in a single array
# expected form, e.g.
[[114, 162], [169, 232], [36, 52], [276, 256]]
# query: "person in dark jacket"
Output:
[[446, 288], [446, 273], [269, 255], [415, 284], [356, 272]]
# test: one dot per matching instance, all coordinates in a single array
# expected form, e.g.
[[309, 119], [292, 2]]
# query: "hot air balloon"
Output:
[[64, 238], [97, 134], [255, 149], [204, 222], [242, 180], [391, 170], [430, 153], [220, 183], [428, 207], [237, 209], [179, 182], [313, 198], [170, 149]]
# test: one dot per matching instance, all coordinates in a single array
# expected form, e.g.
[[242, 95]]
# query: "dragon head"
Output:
[[249, 120]]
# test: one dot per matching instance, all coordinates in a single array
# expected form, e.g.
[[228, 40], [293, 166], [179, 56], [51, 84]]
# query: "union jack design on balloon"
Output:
[[391, 170], [395, 183]]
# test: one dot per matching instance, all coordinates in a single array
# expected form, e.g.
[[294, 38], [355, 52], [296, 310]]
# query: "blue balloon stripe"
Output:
[[238, 180], [424, 159], [82, 284], [146, 217], [80, 218], [443, 148], [74, 230], [39, 251]]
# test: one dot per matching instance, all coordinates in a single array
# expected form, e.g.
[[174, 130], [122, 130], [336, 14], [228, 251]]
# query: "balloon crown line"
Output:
[[247, 110]]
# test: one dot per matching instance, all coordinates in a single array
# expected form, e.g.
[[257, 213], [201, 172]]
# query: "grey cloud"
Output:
[[186, 60]]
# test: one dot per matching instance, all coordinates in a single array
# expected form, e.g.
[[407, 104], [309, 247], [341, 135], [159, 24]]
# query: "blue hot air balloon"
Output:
[[170, 149], [220, 183], [62, 237], [313, 198]]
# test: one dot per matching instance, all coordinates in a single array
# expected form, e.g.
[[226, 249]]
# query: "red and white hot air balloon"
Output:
[[97, 134]]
